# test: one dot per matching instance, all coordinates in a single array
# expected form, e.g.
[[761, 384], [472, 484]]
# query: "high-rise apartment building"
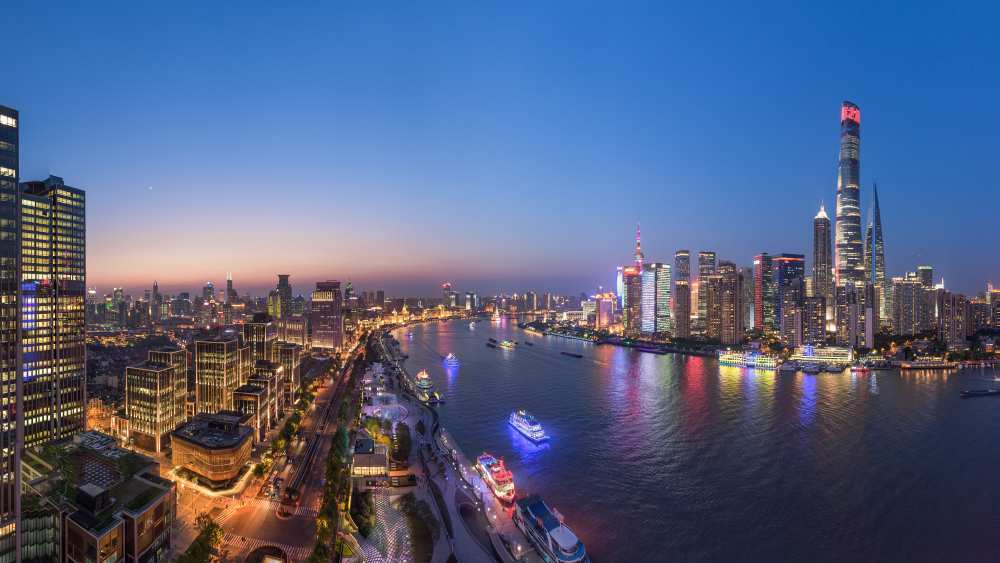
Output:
[[682, 309], [11, 427], [655, 312], [926, 276], [327, 316], [633, 300], [850, 255], [814, 320], [730, 303], [910, 313], [711, 286], [53, 323], [789, 285]]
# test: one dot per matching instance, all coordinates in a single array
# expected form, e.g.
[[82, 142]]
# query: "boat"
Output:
[[529, 343], [980, 393], [812, 369], [833, 368], [451, 359], [491, 345], [545, 528], [750, 359], [571, 354], [860, 368], [527, 425], [425, 387], [788, 367], [493, 340], [649, 350], [496, 475], [928, 364], [508, 345]]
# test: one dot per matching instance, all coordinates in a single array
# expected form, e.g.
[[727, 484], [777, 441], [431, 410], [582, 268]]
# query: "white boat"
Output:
[[527, 425], [545, 528], [507, 344], [451, 359]]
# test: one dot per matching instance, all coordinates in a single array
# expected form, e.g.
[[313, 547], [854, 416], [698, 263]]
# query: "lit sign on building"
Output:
[[852, 113]]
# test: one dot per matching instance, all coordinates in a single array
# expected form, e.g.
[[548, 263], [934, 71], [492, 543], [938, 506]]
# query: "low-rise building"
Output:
[[370, 459], [214, 447]]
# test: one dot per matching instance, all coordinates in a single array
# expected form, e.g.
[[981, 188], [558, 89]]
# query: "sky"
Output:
[[501, 146]]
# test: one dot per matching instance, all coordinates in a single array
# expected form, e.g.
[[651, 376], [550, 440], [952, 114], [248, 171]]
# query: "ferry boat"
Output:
[[788, 367], [497, 476], [928, 364], [812, 369], [507, 345], [451, 359], [860, 368], [527, 425], [545, 528], [980, 393], [747, 360]]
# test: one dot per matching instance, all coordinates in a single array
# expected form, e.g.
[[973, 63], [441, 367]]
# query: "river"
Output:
[[670, 457]]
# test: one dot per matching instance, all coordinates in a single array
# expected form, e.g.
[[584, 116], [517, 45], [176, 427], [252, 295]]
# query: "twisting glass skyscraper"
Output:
[[848, 233]]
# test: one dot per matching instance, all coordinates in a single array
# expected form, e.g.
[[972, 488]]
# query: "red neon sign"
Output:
[[852, 113]]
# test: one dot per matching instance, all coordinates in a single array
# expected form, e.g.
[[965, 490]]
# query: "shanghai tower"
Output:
[[850, 248]]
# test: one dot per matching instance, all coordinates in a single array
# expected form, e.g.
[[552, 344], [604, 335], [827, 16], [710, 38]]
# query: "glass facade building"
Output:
[[11, 438], [849, 266], [53, 324]]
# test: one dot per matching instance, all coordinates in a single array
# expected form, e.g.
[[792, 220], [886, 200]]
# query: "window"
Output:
[[8, 121]]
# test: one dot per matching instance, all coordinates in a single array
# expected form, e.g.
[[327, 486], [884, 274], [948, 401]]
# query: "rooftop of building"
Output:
[[151, 365], [250, 390], [220, 430]]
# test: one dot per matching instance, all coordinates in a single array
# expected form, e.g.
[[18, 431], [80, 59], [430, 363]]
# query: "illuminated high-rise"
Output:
[[730, 303], [633, 300], [655, 312], [822, 267], [850, 252], [789, 286], [53, 324], [706, 267], [284, 296], [682, 309], [11, 426], [221, 365], [875, 256], [764, 319], [327, 316]]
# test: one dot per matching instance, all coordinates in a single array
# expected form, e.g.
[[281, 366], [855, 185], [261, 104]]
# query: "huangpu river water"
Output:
[[669, 457]]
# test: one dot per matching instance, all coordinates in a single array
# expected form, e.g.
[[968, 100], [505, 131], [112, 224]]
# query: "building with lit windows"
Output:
[[327, 316], [53, 323], [648, 307], [730, 303], [10, 407], [764, 317], [293, 330], [850, 251], [289, 356], [682, 309], [789, 285], [214, 447], [260, 334], [822, 266], [633, 300], [875, 255], [151, 404], [706, 267], [221, 365], [814, 320]]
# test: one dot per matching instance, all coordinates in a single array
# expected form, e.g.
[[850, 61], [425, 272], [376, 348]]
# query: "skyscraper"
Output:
[[926, 275], [712, 285], [327, 316], [655, 298], [822, 269], [284, 296], [764, 294], [633, 300], [221, 365], [638, 256], [11, 430], [706, 267], [849, 257], [53, 290], [682, 309], [731, 306], [789, 278], [875, 254]]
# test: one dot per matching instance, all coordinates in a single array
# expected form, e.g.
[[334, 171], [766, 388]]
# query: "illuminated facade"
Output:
[[151, 404], [260, 334], [53, 324], [711, 286], [875, 255], [682, 309], [730, 303], [814, 320], [764, 319], [327, 316], [706, 267], [822, 267], [11, 439], [633, 301], [648, 307], [849, 266], [221, 365], [789, 285], [290, 357], [215, 447]]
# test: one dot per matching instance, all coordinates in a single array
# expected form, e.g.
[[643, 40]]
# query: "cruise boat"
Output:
[[497, 476], [527, 425], [860, 368], [747, 360], [928, 363], [451, 359], [812, 368], [425, 387], [545, 528], [508, 344]]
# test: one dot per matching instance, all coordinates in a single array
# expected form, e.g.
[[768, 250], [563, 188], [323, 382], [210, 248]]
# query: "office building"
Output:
[[706, 267], [850, 255], [764, 317], [926, 276], [289, 355], [11, 441], [284, 296], [856, 314], [214, 447], [822, 266], [261, 334], [655, 298], [910, 311], [814, 320], [151, 393], [711, 286], [633, 300], [221, 365], [327, 316], [789, 278], [875, 253], [293, 329], [53, 323]]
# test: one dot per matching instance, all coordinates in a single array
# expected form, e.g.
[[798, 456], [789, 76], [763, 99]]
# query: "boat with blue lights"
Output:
[[451, 359], [528, 425], [545, 528], [497, 476]]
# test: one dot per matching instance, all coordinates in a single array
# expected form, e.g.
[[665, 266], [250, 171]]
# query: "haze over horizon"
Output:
[[501, 147]]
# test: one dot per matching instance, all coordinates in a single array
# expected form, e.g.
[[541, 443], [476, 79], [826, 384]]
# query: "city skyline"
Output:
[[404, 149]]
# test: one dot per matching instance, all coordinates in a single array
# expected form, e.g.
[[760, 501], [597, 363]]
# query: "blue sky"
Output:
[[501, 145]]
